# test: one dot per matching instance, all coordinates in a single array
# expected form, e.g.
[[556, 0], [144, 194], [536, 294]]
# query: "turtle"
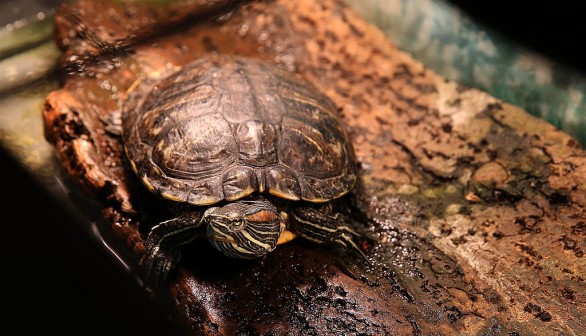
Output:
[[252, 155]]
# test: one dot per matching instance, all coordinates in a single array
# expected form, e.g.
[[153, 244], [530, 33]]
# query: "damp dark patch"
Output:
[[571, 244], [537, 312]]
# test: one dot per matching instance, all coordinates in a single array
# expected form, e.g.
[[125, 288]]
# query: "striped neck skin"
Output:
[[245, 229]]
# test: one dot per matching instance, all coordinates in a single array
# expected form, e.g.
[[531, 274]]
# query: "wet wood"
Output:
[[478, 208]]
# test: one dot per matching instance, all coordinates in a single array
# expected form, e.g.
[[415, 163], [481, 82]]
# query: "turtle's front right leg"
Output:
[[163, 244], [322, 226]]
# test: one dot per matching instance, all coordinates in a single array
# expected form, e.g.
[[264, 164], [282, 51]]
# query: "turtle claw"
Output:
[[157, 266], [321, 227], [351, 242]]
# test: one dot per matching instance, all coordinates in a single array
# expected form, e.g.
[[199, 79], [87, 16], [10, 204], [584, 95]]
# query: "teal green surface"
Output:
[[450, 43]]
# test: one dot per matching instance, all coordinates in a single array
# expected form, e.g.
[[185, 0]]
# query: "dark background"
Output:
[[555, 29], [55, 278]]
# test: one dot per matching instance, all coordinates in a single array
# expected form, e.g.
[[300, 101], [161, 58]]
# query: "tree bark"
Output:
[[477, 208]]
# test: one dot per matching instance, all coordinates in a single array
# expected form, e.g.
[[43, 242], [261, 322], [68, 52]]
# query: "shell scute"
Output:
[[222, 128]]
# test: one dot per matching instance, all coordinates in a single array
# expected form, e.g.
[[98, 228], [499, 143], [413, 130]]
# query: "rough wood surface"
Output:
[[478, 208]]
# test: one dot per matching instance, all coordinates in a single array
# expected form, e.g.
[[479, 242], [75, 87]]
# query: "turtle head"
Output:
[[244, 229]]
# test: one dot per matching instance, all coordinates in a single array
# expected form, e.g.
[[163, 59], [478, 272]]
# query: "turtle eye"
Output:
[[237, 223]]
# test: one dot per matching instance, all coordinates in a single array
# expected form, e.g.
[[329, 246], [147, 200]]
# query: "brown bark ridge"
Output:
[[478, 208]]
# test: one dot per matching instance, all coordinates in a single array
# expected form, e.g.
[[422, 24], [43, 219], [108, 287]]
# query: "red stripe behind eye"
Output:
[[262, 216]]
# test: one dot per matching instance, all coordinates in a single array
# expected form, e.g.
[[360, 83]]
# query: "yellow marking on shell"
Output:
[[147, 183], [322, 200], [309, 139], [279, 194], [208, 200], [133, 165], [241, 194], [317, 200], [286, 237], [311, 103], [347, 190], [171, 197], [338, 148]]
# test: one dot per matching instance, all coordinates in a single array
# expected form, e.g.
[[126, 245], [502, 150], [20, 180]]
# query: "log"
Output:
[[477, 208]]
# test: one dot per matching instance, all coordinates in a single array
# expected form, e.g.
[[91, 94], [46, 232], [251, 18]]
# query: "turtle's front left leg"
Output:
[[320, 226], [163, 244]]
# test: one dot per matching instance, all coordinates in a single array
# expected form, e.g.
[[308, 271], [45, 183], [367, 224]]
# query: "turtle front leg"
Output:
[[163, 244], [322, 227]]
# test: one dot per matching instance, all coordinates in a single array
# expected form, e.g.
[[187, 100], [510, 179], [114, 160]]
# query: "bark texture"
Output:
[[478, 208]]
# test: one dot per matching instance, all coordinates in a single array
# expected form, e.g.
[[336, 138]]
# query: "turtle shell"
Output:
[[222, 128]]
